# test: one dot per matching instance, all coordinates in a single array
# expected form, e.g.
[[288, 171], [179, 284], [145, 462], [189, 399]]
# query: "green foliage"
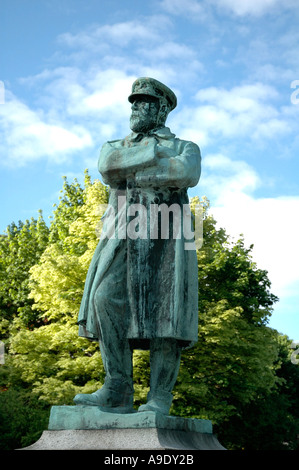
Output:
[[235, 371], [22, 419], [232, 361], [20, 248], [271, 421], [55, 362], [52, 359], [57, 281], [66, 211], [141, 376]]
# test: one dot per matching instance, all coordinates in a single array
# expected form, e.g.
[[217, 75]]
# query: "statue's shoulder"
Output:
[[187, 146], [168, 135], [113, 143], [111, 146]]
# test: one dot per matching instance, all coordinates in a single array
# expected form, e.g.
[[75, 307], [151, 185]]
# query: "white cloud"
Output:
[[143, 46], [26, 135], [102, 38], [72, 112], [184, 7], [107, 89], [271, 224], [239, 99], [95, 95], [245, 7], [271, 73], [226, 177], [170, 50], [254, 7], [84, 102], [245, 111], [198, 9]]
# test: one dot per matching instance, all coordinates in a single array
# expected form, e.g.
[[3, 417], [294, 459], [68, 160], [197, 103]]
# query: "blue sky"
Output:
[[67, 67]]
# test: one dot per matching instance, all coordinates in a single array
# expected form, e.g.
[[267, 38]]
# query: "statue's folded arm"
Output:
[[151, 164]]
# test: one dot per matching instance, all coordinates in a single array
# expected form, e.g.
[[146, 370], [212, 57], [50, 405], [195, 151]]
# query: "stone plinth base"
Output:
[[89, 428], [125, 439]]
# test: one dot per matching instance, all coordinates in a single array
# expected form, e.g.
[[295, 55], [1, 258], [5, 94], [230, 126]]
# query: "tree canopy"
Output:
[[238, 366]]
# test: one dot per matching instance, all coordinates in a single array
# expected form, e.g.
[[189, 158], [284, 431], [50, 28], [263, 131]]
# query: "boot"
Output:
[[115, 397], [159, 401], [165, 356]]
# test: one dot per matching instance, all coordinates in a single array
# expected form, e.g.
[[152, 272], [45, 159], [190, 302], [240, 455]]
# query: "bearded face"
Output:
[[144, 114]]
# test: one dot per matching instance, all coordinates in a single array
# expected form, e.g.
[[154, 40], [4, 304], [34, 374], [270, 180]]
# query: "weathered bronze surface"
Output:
[[141, 288]]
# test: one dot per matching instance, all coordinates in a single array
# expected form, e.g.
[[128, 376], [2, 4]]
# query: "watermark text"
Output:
[[295, 94], [152, 222], [2, 93], [295, 353], [2, 359]]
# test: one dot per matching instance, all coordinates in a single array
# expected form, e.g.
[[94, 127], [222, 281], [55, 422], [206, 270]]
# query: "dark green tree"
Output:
[[20, 248], [235, 369], [271, 421]]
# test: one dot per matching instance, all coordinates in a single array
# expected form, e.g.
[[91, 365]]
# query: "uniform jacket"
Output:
[[162, 278]]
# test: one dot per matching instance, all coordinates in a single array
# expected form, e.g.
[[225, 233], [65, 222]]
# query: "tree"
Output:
[[235, 356], [232, 304], [20, 248], [230, 365], [227, 271], [57, 281], [236, 364], [22, 419], [52, 359], [271, 421]]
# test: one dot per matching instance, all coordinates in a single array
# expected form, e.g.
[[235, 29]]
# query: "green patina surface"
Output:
[[141, 290], [92, 417]]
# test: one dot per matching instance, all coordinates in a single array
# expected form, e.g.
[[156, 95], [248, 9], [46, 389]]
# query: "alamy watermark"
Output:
[[295, 353], [295, 94], [2, 359], [154, 221], [2, 93]]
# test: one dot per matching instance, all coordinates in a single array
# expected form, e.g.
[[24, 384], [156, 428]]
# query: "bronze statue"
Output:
[[141, 288]]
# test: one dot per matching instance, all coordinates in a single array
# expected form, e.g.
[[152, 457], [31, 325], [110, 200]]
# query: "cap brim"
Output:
[[134, 95]]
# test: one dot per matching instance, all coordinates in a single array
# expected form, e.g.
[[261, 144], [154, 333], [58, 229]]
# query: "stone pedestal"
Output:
[[89, 428]]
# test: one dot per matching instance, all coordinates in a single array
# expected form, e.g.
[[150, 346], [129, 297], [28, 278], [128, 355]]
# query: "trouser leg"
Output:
[[116, 353], [165, 356], [117, 361], [110, 301], [117, 392]]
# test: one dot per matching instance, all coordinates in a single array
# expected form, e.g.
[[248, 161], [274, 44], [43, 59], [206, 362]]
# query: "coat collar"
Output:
[[162, 132]]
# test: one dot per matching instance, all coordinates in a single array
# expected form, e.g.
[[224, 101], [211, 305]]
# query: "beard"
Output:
[[141, 122]]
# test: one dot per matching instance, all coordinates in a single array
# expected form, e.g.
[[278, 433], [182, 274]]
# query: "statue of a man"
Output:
[[141, 288]]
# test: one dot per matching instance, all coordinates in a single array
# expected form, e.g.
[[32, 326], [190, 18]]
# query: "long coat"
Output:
[[161, 281]]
